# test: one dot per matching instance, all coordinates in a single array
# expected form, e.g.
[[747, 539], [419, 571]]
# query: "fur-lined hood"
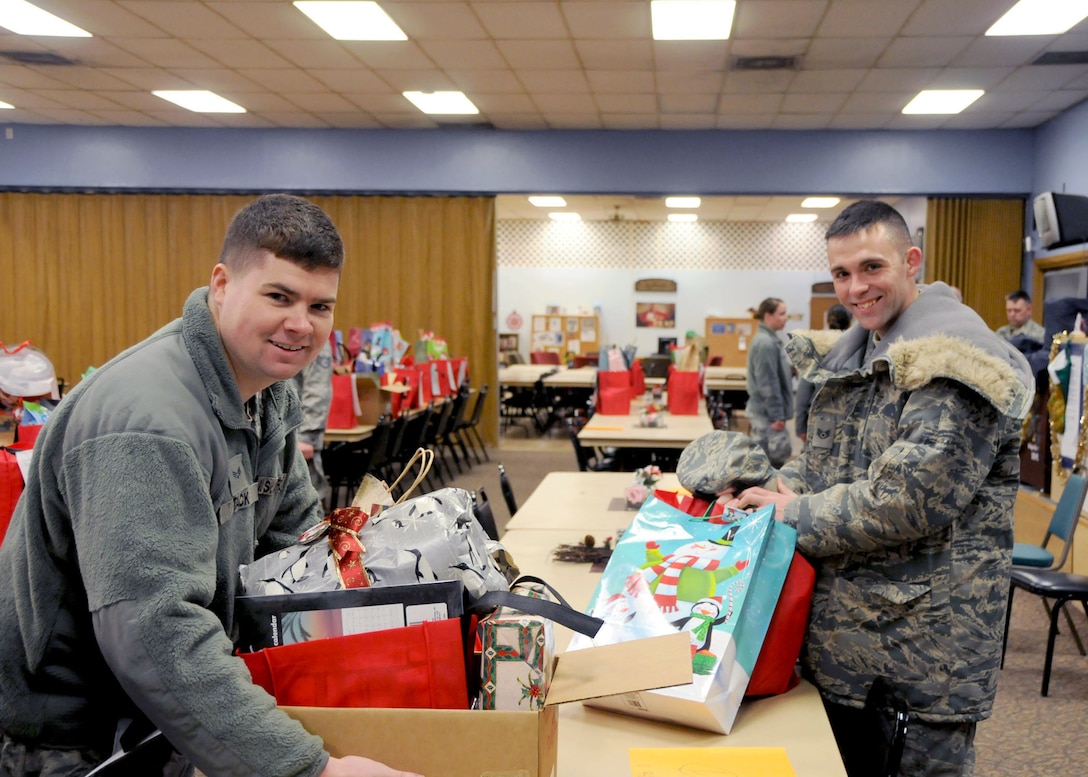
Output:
[[936, 337]]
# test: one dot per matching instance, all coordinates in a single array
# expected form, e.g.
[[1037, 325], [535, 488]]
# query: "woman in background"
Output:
[[770, 383], [838, 319]]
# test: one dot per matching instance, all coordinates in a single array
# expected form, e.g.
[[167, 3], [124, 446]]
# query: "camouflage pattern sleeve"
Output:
[[901, 472], [316, 396]]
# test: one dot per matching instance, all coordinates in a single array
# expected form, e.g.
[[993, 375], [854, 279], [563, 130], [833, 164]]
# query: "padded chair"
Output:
[[507, 491], [1062, 525], [544, 357], [345, 465], [656, 366], [589, 460], [1062, 587]]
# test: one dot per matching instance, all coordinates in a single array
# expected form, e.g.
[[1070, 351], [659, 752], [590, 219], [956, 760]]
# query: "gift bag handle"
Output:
[[425, 457], [16, 349], [563, 613]]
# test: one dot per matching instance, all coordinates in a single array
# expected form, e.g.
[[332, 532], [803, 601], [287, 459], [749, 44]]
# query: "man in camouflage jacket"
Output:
[[902, 498]]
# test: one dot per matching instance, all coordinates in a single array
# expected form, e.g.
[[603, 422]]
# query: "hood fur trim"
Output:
[[822, 339], [914, 363]]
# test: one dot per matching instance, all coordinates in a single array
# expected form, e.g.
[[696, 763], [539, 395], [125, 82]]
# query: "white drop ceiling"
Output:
[[569, 65]]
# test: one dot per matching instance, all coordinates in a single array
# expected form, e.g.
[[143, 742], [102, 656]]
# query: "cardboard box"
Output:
[[375, 400], [471, 743]]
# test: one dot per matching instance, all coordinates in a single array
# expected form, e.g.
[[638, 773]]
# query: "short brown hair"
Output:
[[289, 227]]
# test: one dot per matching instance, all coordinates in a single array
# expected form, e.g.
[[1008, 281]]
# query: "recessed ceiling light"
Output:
[[349, 20], [681, 218], [199, 100], [444, 103], [683, 202], [938, 101], [1040, 17], [5, 106], [819, 202], [22, 18], [565, 216], [549, 201], [692, 19], [800, 218]]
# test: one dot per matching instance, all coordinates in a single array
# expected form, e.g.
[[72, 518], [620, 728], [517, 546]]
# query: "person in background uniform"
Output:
[[314, 387], [902, 499], [770, 383], [1021, 324], [155, 478], [838, 319]]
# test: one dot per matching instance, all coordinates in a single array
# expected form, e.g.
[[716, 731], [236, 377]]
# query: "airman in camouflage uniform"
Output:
[[314, 387], [902, 498]]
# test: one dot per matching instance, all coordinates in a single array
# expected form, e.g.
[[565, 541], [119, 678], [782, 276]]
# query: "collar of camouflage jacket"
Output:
[[936, 337]]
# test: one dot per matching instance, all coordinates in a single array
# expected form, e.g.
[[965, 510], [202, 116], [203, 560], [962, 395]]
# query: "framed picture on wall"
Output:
[[655, 314]]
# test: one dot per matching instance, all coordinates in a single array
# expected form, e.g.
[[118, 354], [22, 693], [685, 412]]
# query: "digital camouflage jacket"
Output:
[[907, 486]]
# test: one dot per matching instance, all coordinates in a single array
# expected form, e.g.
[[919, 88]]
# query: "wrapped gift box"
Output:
[[516, 657]]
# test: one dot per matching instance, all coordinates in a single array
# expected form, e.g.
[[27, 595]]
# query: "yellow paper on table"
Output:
[[710, 762]]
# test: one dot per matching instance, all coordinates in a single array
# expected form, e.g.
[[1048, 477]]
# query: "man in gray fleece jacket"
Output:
[[153, 480]]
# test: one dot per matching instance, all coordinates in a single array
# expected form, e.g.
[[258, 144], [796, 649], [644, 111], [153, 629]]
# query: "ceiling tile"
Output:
[[1039, 78], [631, 81], [778, 19], [28, 77], [864, 18], [416, 80], [354, 80], [970, 77], [626, 103], [765, 104], [504, 103], [1060, 100], [615, 55], [813, 103], [858, 121], [88, 78], [309, 54], [691, 55], [1001, 51], [565, 103], [282, 79], [962, 17], [270, 21], [844, 52], [536, 55], [449, 54], [827, 80], [757, 81], [512, 20], [183, 19], [400, 55], [127, 119], [492, 81], [436, 21], [869, 102], [166, 52], [604, 20], [922, 52], [769, 47], [688, 121], [516, 121], [218, 80], [240, 53], [687, 103], [554, 81], [898, 80], [674, 82], [319, 103], [103, 18]]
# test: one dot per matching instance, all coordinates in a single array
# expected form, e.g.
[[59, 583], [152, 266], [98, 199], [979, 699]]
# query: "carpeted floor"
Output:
[[1028, 734]]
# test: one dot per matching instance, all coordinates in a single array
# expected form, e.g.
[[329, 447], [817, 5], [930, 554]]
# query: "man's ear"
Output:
[[220, 277], [914, 260]]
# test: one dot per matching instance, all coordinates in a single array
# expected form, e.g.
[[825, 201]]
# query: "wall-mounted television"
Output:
[[1061, 219]]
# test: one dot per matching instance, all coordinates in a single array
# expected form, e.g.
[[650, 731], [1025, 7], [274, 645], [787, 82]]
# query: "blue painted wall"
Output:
[[998, 162]]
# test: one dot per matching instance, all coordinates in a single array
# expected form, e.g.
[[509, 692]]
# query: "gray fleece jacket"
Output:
[[118, 574]]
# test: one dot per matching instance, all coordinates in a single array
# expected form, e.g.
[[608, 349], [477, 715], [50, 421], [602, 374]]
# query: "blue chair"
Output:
[[1062, 525]]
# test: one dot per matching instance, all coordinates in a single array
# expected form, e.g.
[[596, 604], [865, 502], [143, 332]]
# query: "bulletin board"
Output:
[[729, 338]]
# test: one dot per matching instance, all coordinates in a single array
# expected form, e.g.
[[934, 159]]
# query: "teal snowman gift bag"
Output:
[[718, 579]]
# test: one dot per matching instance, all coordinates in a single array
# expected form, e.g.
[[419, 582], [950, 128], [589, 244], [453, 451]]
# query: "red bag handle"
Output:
[[17, 348]]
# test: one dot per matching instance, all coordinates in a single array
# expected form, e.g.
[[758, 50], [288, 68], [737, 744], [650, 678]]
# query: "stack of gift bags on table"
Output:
[[620, 379], [401, 605], [377, 372]]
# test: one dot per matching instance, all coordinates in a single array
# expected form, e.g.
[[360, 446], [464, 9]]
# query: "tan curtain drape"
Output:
[[90, 274], [976, 245]]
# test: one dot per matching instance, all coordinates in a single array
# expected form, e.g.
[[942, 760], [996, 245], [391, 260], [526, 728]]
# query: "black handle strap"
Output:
[[559, 611]]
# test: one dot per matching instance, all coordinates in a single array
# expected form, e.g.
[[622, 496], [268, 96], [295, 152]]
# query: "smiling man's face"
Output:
[[874, 275], [273, 316]]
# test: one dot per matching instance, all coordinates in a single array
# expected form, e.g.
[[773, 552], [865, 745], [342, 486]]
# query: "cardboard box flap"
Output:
[[625, 667]]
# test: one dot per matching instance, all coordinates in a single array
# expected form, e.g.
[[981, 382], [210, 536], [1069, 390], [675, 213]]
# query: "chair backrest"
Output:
[[1067, 515], [715, 361], [507, 491], [478, 408], [484, 515], [580, 453], [379, 443], [656, 366], [544, 357]]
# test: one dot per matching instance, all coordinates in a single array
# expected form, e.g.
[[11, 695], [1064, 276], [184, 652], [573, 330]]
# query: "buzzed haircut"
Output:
[[1018, 296], [288, 227], [865, 214]]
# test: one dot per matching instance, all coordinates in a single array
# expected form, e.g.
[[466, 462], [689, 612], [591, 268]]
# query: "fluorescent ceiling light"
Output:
[[1040, 17], [692, 19], [565, 216], [942, 100], [22, 18], [349, 20], [800, 218], [5, 106], [683, 217], [819, 202], [682, 202], [442, 102], [548, 202], [199, 101]]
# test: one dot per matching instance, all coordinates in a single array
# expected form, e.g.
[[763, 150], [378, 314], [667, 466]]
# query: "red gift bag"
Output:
[[775, 671], [401, 402], [638, 378], [419, 666], [429, 387], [614, 392], [445, 377], [683, 390], [344, 407]]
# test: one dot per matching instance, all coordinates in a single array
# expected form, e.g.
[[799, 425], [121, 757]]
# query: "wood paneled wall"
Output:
[[975, 245], [87, 275]]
